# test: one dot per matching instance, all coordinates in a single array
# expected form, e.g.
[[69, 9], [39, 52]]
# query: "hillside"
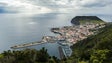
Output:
[[85, 19], [27, 56], [94, 49]]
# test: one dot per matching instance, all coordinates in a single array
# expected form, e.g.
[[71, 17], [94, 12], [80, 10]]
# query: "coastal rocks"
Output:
[[75, 21]]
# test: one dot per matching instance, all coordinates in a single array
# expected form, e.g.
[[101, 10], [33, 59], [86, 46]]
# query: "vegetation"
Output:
[[90, 21], [94, 49], [86, 19], [27, 56]]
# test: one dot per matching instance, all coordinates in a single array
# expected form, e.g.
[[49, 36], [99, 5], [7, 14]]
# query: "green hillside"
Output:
[[86, 19], [94, 49]]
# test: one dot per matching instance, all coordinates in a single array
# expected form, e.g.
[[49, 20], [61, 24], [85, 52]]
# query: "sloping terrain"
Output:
[[86, 19], [94, 49]]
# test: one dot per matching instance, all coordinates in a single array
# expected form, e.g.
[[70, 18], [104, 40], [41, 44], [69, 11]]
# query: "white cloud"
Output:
[[23, 7], [95, 3], [59, 6]]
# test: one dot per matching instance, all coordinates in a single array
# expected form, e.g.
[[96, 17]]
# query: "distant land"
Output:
[[85, 19]]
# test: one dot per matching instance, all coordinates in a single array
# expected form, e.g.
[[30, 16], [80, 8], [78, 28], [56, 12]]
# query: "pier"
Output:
[[67, 51], [27, 45], [62, 56], [64, 51], [45, 39]]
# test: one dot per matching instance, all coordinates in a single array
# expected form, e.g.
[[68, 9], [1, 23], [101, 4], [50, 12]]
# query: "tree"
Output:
[[99, 56]]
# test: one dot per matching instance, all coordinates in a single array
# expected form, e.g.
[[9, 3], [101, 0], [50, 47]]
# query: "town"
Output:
[[68, 34], [73, 34], [66, 37]]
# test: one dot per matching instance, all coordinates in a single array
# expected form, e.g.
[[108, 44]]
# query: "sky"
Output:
[[90, 7]]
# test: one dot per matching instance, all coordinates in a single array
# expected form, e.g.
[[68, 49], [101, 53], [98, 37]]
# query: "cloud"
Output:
[[23, 7], [57, 6], [95, 3], [66, 5], [4, 8], [2, 4]]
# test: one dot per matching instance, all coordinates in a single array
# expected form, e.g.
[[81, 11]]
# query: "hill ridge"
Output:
[[85, 19]]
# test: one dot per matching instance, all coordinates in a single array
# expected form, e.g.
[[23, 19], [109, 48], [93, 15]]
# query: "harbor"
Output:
[[67, 36]]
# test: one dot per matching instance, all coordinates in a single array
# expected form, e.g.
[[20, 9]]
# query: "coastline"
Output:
[[65, 34]]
